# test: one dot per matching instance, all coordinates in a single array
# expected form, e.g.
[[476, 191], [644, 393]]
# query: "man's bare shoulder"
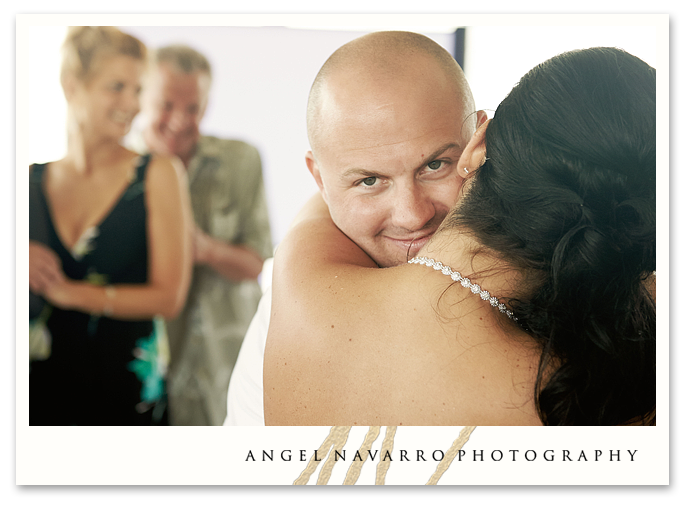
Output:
[[314, 244]]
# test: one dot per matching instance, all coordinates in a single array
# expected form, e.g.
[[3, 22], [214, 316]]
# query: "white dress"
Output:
[[245, 403]]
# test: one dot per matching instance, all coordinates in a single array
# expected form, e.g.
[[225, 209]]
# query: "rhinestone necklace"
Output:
[[465, 282]]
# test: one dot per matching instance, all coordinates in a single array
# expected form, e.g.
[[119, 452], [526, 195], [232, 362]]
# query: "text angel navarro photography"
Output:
[[513, 455]]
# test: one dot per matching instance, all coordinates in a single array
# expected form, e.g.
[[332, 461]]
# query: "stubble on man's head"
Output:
[[377, 61]]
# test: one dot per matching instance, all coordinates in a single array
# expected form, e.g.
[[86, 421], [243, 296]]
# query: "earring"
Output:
[[466, 170]]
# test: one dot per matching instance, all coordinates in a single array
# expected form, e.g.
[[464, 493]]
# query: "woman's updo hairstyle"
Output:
[[85, 47], [568, 195]]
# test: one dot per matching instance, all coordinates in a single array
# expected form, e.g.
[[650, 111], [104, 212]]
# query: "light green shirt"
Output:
[[228, 203]]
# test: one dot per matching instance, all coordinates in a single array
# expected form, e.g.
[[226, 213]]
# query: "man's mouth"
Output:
[[174, 136], [411, 244]]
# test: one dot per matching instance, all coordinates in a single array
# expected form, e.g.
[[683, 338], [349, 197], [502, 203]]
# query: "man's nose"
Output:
[[412, 208], [178, 121]]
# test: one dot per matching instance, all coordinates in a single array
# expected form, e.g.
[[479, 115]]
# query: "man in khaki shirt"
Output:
[[231, 235]]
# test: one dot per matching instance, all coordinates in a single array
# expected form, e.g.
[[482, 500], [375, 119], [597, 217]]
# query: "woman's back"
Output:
[[401, 347]]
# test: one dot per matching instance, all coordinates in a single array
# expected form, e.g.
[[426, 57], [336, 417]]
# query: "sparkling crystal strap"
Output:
[[465, 282]]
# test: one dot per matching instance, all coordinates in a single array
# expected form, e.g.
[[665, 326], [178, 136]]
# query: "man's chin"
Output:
[[395, 258], [181, 149], [399, 252], [166, 149]]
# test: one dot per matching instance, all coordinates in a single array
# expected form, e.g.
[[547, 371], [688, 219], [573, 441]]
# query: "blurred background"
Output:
[[262, 76]]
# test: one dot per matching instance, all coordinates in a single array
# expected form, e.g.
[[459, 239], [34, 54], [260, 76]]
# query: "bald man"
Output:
[[389, 115]]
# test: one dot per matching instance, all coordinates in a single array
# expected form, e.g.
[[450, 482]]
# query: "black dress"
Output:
[[101, 371]]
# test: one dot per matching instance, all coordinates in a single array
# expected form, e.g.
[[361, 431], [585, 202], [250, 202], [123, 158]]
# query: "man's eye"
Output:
[[369, 181], [434, 165]]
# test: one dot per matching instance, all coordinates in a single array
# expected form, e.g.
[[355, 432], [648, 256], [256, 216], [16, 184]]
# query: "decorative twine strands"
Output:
[[387, 446], [354, 471], [340, 437], [337, 433], [444, 464], [337, 439]]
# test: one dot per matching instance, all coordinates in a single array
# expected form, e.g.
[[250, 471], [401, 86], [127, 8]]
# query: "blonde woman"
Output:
[[116, 251]]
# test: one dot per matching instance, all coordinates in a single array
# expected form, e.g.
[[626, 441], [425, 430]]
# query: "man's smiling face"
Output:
[[174, 105], [386, 155]]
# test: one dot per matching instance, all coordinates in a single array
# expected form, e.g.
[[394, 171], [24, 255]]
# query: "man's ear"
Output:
[[314, 169], [204, 83], [474, 152], [69, 86], [481, 117]]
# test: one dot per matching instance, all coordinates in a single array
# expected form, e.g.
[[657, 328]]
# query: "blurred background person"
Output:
[[110, 258], [231, 235]]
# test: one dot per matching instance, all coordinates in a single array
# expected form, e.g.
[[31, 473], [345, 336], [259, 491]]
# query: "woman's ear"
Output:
[[474, 152]]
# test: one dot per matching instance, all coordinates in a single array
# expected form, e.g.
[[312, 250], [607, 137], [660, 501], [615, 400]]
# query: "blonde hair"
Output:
[[87, 46]]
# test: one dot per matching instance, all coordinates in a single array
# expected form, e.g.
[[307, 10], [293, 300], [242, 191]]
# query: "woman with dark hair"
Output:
[[109, 248], [549, 316]]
